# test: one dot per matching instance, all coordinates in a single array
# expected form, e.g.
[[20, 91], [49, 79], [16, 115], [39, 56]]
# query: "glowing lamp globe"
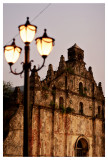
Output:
[[44, 44], [27, 31], [12, 52]]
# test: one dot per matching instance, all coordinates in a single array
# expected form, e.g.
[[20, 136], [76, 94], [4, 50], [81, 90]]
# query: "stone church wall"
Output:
[[13, 144], [56, 132], [67, 128], [98, 134], [53, 135]]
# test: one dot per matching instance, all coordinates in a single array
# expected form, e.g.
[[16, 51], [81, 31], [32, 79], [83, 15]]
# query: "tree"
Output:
[[7, 107], [7, 92]]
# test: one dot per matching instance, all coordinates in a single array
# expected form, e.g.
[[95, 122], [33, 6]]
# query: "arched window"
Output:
[[103, 113], [99, 110], [81, 108], [61, 101], [80, 88], [81, 148]]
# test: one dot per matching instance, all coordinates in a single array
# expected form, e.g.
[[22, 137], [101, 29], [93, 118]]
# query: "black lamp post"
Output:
[[12, 53]]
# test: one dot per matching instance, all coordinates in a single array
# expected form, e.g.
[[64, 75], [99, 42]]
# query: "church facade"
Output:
[[67, 113]]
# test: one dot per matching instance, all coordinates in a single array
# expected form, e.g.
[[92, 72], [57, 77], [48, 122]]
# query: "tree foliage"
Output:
[[7, 92], [7, 113]]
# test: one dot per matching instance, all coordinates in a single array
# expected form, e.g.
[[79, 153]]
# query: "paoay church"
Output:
[[67, 112]]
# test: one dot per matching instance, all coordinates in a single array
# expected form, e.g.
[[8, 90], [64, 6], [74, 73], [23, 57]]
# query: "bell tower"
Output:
[[75, 53]]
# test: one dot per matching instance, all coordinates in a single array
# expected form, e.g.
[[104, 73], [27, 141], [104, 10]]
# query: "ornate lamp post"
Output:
[[12, 53]]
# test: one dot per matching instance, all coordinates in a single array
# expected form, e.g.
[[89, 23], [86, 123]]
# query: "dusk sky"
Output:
[[83, 24]]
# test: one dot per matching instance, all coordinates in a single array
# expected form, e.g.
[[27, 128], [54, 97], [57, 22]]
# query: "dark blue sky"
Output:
[[83, 24]]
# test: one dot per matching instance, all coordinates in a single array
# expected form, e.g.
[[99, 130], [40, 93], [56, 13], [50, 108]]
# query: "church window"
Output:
[[81, 148], [99, 110], [61, 101], [71, 83], [102, 113], [81, 108], [80, 88]]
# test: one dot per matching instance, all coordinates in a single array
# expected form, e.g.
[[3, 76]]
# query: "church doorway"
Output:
[[81, 148]]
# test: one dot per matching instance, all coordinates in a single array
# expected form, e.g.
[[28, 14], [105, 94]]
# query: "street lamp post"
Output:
[[12, 53]]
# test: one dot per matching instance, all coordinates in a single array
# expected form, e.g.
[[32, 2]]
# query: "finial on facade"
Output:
[[34, 69], [90, 70], [50, 72], [62, 58], [75, 44], [62, 63], [99, 84], [50, 66]]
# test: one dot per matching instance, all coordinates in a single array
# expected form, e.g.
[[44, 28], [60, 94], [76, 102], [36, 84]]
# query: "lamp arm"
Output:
[[39, 68], [14, 72]]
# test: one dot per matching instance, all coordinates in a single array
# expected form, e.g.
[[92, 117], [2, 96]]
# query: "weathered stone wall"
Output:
[[56, 132], [60, 140], [78, 126], [41, 132], [13, 144], [53, 136], [99, 137]]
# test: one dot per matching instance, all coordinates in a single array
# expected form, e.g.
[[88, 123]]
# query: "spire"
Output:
[[34, 78], [90, 70], [62, 63], [100, 88], [76, 46], [50, 72]]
